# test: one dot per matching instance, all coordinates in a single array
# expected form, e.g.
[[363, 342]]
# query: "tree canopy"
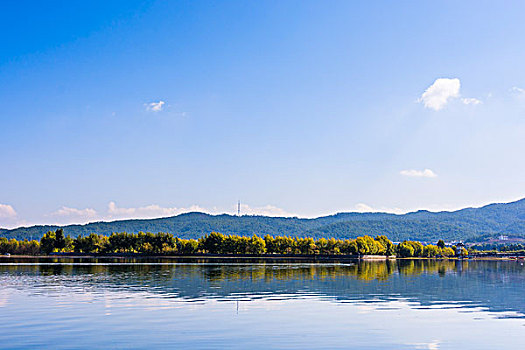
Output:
[[218, 243]]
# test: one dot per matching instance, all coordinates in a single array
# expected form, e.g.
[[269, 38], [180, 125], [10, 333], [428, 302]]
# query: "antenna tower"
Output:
[[238, 208]]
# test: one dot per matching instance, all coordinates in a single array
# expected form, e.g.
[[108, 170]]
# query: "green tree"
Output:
[[213, 242], [60, 240], [389, 247], [322, 245], [431, 251], [187, 246], [448, 251], [366, 245], [306, 246], [405, 250], [257, 245], [269, 243], [47, 242], [334, 246]]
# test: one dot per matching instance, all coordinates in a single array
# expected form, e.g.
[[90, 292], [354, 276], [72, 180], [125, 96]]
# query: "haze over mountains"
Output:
[[464, 224]]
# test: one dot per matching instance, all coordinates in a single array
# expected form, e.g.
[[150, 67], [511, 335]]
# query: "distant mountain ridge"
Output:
[[463, 224]]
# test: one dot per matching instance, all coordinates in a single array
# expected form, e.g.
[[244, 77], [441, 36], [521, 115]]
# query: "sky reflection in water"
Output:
[[414, 304]]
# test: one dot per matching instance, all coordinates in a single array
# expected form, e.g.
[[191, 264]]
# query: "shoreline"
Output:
[[251, 258]]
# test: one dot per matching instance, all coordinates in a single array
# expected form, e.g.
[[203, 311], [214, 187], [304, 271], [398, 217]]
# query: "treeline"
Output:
[[217, 243], [495, 247], [13, 246]]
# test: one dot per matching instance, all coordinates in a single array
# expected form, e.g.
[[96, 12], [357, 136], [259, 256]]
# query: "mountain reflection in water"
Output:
[[491, 290], [495, 285]]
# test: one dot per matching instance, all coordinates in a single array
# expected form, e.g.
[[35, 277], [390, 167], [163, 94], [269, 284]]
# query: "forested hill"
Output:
[[491, 220]]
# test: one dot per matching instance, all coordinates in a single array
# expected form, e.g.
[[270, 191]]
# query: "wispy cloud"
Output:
[[418, 173], [148, 211], [155, 106], [434, 345], [471, 101], [518, 91], [365, 208], [69, 212], [267, 210], [7, 211], [156, 211], [68, 215]]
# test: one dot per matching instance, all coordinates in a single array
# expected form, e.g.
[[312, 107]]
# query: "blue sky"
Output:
[[118, 109]]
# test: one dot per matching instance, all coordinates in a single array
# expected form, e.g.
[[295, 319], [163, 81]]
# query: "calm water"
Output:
[[86, 304]]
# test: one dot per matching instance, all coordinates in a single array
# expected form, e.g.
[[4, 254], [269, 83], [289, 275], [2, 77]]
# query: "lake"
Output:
[[65, 303]]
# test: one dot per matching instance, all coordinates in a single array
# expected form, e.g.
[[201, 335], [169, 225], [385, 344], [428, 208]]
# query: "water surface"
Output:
[[137, 303]]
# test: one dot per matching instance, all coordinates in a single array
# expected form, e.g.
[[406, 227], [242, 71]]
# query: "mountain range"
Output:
[[466, 224]]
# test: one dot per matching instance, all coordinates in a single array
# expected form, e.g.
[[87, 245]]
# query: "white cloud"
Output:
[[365, 208], [437, 95], [434, 345], [442, 91], [418, 173], [67, 215], [68, 212], [518, 90], [7, 211], [267, 210], [155, 106], [471, 101], [156, 211], [148, 212]]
